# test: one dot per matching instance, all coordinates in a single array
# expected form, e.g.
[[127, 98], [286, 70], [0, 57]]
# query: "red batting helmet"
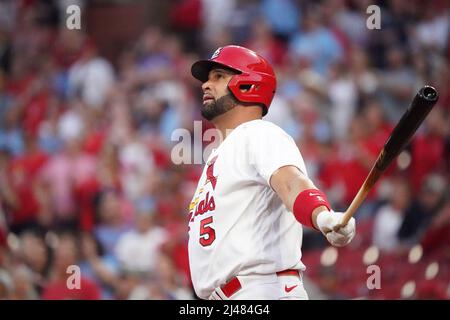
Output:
[[253, 72]]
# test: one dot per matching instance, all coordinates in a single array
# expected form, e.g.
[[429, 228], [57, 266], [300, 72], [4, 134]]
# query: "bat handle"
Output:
[[356, 203], [348, 214], [360, 196]]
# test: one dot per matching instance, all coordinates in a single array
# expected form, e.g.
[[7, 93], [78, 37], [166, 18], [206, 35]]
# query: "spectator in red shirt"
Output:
[[368, 135], [378, 129], [355, 160], [428, 149], [59, 286], [19, 189], [262, 40], [23, 205], [185, 17]]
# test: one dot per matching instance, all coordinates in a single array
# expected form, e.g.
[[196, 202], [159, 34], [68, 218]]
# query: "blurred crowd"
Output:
[[86, 176]]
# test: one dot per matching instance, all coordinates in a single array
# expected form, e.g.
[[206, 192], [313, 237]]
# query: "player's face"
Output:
[[217, 98]]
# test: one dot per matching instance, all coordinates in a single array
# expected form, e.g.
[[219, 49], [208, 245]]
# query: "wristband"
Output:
[[306, 202]]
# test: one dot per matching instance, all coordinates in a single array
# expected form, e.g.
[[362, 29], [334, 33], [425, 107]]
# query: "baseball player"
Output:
[[254, 195]]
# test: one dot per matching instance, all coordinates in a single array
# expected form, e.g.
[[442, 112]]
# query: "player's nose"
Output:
[[206, 86]]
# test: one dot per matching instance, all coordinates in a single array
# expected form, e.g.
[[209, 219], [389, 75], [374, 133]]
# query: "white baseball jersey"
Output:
[[237, 224]]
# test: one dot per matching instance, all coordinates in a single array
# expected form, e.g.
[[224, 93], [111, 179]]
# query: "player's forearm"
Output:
[[288, 182]]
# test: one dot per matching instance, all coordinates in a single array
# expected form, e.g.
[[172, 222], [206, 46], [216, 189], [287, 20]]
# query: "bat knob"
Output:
[[429, 93]]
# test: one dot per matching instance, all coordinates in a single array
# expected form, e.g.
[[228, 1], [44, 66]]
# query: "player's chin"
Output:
[[208, 114], [207, 107]]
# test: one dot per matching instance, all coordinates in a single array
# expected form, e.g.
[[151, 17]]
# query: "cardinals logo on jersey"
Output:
[[210, 173], [200, 207]]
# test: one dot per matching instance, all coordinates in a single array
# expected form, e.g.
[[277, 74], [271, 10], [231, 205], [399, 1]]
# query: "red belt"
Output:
[[234, 285]]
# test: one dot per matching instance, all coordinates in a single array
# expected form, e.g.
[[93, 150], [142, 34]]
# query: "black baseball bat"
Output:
[[419, 108]]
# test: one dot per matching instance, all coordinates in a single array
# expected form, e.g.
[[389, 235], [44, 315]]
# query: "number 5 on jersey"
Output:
[[207, 233]]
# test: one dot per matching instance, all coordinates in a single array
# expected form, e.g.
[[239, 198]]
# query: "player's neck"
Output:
[[228, 121]]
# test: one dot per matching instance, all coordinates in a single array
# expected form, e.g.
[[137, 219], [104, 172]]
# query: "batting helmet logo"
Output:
[[216, 53]]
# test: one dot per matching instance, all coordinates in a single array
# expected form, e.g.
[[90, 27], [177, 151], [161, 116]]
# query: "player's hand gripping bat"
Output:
[[421, 105]]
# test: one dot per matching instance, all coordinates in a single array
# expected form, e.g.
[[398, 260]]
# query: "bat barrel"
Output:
[[421, 105]]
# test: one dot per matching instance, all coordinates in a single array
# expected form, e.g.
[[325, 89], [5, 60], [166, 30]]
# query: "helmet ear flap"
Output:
[[246, 87], [248, 91]]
